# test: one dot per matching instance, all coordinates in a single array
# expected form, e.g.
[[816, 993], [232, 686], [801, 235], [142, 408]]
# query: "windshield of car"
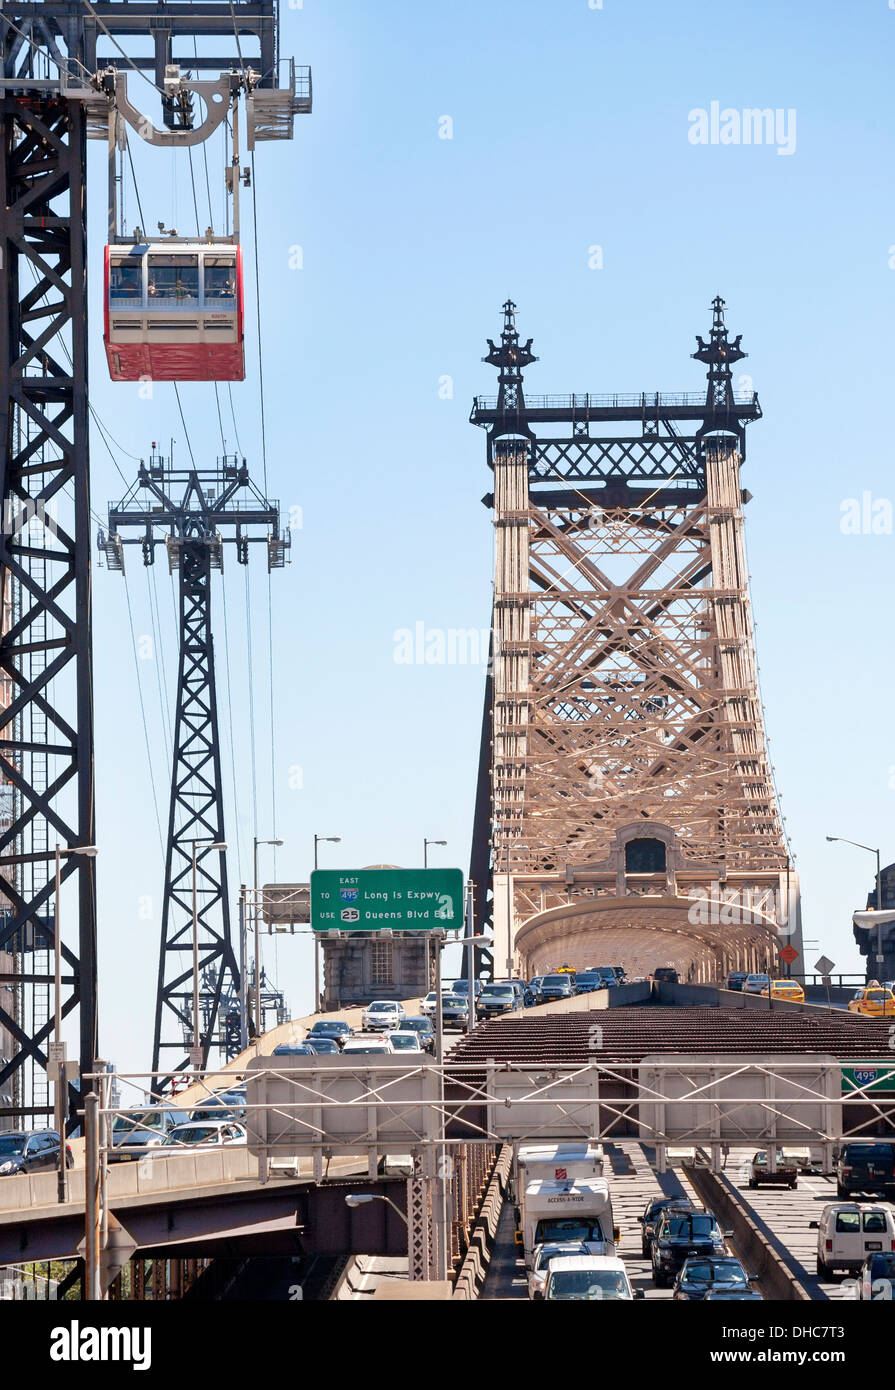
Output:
[[765, 979], [382, 1006], [330, 1029], [11, 1144], [411, 1043], [368, 1050], [689, 1226], [558, 1228], [556, 980], [193, 1134], [138, 1120], [496, 992], [419, 1025], [588, 1283], [707, 1271]]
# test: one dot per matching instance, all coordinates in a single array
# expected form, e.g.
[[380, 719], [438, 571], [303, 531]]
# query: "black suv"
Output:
[[735, 980], [652, 1215], [866, 1166], [680, 1235], [30, 1151], [665, 975]]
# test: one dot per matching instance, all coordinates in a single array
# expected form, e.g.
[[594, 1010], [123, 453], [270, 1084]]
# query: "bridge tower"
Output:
[[626, 810]]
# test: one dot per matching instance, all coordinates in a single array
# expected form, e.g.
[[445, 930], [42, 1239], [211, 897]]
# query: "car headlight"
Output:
[[7, 1167]]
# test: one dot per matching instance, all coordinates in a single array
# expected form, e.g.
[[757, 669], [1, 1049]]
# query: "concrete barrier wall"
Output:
[[474, 1268], [599, 999], [134, 1179], [713, 996], [778, 1282]]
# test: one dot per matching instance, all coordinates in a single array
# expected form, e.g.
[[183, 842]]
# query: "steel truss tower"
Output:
[[624, 686], [58, 61], [191, 525]]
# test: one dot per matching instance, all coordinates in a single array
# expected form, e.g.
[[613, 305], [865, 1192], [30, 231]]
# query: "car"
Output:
[[873, 1001], [620, 975], [754, 984], [849, 1232], [31, 1151], [335, 1028], [558, 986], [381, 1014], [210, 1135], [666, 975], [653, 1213], [866, 1166], [699, 1274], [785, 1173], [526, 998], [462, 987], [587, 981], [608, 976], [424, 1028], [454, 1010], [496, 999], [680, 1235], [876, 1280], [326, 1047], [377, 1045], [303, 1049], [534, 985], [427, 1004], [135, 1133], [405, 1040], [736, 980], [222, 1105], [551, 1250], [785, 989], [587, 1277]]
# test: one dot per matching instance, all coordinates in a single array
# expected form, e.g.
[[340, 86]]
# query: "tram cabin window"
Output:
[[174, 277], [220, 278], [126, 278]]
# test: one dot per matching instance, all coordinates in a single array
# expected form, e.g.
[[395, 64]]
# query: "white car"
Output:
[[589, 1277], [207, 1134], [382, 1013], [380, 1043], [552, 1250], [427, 1005], [405, 1040]]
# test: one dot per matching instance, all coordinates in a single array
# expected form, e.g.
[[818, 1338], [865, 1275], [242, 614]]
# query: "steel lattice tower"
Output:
[[191, 526], [623, 704]]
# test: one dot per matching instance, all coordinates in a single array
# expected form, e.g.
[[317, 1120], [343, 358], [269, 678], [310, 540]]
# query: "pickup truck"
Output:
[[786, 1171]]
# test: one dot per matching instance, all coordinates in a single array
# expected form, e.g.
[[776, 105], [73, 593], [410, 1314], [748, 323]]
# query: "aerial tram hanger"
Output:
[[173, 305]]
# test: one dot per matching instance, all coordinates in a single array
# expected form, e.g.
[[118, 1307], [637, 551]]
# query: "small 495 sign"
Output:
[[377, 899]]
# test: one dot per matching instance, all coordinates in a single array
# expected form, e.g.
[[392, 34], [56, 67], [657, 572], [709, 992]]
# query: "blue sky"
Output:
[[570, 130]]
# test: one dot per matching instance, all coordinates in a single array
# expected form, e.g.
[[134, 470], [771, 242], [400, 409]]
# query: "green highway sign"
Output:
[[376, 899], [869, 1076]]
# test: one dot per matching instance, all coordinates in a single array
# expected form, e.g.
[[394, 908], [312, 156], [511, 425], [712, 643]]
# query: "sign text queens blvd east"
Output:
[[374, 899]]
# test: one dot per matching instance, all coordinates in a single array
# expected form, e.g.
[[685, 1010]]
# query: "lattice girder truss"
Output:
[[625, 677]]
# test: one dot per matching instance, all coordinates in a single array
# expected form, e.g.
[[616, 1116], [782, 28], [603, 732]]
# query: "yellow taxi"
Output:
[[874, 1000], [790, 990]]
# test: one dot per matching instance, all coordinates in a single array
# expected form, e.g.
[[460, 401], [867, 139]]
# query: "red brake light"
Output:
[[829, 1245]]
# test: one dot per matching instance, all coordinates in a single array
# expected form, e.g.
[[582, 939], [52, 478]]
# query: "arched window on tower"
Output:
[[645, 856]]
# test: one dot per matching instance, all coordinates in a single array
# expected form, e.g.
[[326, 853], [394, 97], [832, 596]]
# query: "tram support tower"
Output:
[[63, 68], [626, 810]]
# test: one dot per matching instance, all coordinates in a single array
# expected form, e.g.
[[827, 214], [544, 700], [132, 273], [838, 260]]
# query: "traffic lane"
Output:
[[788, 1215]]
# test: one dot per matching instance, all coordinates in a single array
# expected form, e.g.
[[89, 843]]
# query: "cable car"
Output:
[[174, 311]]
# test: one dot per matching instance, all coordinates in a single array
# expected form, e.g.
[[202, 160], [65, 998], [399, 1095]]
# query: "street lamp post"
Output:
[[257, 842], [426, 844], [363, 1199], [879, 894], [61, 1083], [197, 1042], [320, 840]]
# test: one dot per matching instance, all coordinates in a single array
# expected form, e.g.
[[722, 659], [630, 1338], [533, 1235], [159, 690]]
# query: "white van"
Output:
[[848, 1232], [560, 1211], [587, 1277]]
